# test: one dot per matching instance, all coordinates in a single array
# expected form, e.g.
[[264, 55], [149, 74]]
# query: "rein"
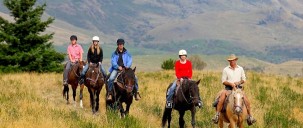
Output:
[[75, 71], [95, 79], [191, 101]]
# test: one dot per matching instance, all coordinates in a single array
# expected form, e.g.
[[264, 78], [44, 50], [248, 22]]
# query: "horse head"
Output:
[[238, 100], [128, 76], [194, 91], [93, 74]]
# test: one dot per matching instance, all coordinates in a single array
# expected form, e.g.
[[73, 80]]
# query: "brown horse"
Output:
[[123, 91], [73, 76], [236, 112], [186, 98], [94, 82]]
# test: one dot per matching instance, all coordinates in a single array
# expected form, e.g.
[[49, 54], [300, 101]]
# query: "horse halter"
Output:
[[124, 76], [237, 103], [98, 74]]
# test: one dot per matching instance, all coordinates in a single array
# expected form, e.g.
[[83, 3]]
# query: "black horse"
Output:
[[186, 98], [123, 91], [94, 82]]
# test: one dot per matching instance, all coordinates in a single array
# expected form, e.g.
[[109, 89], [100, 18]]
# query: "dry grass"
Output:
[[35, 100]]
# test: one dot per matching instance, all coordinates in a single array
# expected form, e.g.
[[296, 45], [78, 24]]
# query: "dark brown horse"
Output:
[[73, 76], [123, 91], [186, 98], [94, 82]]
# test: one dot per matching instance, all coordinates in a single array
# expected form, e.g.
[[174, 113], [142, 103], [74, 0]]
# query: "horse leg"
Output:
[[65, 93], [166, 116], [91, 97], [127, 108], [74, 94], [121, 109], [81, 95], [232, 124], [97, 99], [181, 120], [220, 121], [193, 119]]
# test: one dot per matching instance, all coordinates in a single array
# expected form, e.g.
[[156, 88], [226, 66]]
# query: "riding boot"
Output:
[[250, 118], [137, 96], [109, 96]]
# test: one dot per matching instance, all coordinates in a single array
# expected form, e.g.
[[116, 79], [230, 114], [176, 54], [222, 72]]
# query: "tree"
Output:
[[23, 47]]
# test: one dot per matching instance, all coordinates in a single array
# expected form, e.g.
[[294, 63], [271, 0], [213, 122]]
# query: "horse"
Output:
[[186, 98], [73, 76], [235, 112], [123, 91], [94, 82]]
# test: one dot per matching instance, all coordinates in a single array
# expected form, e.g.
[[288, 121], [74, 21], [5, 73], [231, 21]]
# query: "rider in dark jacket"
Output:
[[94, 55]]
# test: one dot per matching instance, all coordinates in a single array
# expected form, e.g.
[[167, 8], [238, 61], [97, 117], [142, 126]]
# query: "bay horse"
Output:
[[73, 76], [236, 112], [123, 91], [94, 82], [186, 98]]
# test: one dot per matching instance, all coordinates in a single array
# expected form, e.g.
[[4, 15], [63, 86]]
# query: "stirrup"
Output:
[[137, 96], [215, 119], [251, 120], [169, 104], [109, 97]]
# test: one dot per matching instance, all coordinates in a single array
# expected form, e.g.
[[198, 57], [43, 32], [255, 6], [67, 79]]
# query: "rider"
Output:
[[94, 55], [183, 69], [74, 52], [120, 59], [232, 76]]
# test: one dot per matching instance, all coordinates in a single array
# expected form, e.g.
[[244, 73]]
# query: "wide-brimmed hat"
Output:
[[232, 57]]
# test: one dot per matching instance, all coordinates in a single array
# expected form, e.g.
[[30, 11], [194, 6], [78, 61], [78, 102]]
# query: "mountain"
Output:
[[265, 29]]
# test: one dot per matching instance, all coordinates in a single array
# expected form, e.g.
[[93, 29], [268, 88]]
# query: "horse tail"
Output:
[[166, 116], [65, 91]]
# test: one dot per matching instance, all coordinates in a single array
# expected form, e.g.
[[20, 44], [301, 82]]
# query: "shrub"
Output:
[[168, 64], [197, 62]]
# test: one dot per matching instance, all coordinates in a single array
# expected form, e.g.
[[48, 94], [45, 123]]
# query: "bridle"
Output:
[[191, 98], [98, 74]]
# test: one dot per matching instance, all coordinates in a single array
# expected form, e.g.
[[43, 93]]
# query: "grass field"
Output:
[[35, 100]]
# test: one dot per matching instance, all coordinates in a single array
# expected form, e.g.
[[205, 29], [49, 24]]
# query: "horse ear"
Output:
[[134, 69], [198, 82]]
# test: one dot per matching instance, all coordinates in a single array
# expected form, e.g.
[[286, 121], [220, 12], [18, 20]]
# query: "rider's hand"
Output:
[[120, 68], [237, 83]]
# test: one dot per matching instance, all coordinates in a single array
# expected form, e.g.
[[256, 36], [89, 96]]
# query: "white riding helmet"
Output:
[[182, 53], [96, 38]]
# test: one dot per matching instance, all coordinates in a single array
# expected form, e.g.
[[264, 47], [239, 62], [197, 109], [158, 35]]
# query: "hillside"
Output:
[[35, 100], [269, 30]]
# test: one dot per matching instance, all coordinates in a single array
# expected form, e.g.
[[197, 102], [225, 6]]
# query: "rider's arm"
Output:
[[69, 53], [177, 72], [81, 53], [114, 61], [88, 55], [224, 79], [129, 61], [101, 55], [190, 70]]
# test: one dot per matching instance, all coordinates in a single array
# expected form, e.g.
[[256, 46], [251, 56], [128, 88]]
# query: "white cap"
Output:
[[182, 52], [95, 38]]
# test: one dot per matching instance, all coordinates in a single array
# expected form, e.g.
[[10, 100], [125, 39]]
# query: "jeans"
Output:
[[170, 91], [113, 76], [86, 68], [66, 70]]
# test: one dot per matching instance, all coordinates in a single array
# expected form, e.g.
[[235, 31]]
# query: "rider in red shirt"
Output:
[[183, 69]]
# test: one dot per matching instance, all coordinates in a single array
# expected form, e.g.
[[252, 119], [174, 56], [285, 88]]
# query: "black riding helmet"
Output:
[[73, 37], [120, 41]]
